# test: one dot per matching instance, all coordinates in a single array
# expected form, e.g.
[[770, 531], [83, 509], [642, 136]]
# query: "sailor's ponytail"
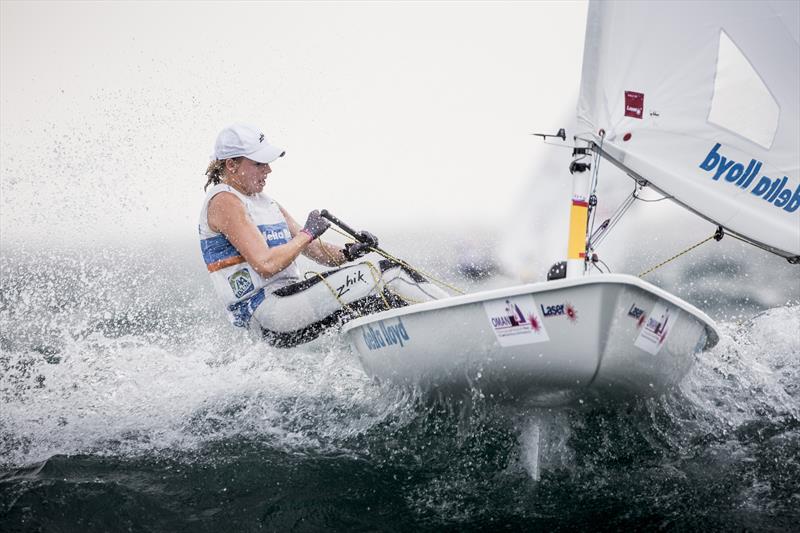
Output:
[[214, 172]]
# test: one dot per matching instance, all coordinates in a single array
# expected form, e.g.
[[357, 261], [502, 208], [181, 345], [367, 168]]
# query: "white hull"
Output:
[[614, 333]]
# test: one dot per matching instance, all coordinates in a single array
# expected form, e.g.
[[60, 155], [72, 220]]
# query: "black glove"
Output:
[[315, 224], [367, 238], [354, 250]]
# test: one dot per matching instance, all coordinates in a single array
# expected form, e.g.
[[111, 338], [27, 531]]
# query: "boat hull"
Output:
[[613, 333]]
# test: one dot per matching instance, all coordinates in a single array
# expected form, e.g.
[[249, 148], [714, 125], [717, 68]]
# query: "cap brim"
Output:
[[266, 153]]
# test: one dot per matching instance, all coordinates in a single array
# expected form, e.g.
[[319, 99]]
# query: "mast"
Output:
[[578, 214]]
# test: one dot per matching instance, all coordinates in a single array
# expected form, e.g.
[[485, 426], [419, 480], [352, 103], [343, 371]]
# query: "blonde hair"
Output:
[[215, 171]]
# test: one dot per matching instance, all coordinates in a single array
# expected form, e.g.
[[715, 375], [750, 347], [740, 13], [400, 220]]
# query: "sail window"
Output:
[[742, 102]]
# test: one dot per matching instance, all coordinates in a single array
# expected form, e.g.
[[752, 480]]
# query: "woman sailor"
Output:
[[250, 243]]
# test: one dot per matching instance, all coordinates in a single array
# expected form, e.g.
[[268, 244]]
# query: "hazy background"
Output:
[[394, 115], [412, 120]]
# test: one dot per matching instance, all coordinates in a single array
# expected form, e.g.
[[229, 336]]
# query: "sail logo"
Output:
[[634, 104], [516, 320], [385, 335], [774, 191]]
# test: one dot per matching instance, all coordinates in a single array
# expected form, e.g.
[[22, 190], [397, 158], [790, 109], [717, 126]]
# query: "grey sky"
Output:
[[393, 115]]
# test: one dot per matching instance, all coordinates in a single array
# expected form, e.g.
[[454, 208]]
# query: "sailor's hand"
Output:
[[367, 238], [315, 224], [354, 250]]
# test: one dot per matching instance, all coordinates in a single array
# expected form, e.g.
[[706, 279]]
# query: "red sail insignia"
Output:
[[634, 104]]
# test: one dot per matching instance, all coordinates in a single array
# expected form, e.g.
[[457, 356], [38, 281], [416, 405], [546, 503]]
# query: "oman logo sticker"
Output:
[[660, 322], [515, 320]]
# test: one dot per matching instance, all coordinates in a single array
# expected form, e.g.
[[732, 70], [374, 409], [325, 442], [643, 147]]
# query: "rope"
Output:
[[596, 239], [403, 263], [646, 272], [593, 190], [375, 279], [324, 247]]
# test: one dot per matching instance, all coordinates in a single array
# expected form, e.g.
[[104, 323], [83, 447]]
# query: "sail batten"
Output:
[[700, 99]]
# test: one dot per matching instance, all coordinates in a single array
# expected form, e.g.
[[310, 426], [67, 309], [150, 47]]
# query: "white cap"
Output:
[[248, 141]]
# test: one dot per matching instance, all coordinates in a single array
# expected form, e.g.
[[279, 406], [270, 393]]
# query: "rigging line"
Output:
[[403, 263], [646, 272], [615, 217], [608, 269], [578, 136], [593, 189], [592, 204], [760, 246], [755, 244], [729, 234], [375, 278], [656, 200], [558, 145]]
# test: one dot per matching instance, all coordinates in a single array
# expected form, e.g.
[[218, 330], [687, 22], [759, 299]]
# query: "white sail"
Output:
[[701, 100]]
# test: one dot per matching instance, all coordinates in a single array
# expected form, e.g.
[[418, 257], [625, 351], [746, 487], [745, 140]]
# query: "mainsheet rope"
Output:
[[400, 262], [717, 236], [375, 279]]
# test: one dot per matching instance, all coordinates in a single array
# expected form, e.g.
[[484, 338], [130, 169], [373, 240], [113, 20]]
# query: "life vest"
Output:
[[238, 285]]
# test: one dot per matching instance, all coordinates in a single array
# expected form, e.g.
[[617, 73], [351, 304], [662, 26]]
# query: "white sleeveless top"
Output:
[[237, 283]]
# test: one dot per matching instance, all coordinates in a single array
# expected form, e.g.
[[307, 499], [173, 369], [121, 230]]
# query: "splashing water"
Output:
[[108, 365]]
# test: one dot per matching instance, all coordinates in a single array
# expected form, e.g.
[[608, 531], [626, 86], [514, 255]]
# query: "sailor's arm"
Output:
[[227, 215], [321, 252]]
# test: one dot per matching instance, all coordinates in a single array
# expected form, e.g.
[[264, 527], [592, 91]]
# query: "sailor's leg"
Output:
[[299, 312]]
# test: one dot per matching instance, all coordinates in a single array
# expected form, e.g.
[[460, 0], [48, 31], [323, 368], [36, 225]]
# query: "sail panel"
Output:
[[741, 102], [701, 99]]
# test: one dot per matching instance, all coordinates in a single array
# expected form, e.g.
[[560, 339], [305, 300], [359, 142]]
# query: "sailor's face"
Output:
[[251, 176]]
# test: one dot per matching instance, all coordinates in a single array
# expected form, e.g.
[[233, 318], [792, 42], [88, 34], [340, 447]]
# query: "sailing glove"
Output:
[[354, 250], [367, 238], [315, 224]]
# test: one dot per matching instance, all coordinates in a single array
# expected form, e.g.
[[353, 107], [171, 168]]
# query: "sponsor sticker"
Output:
[[385, 333], [657, 327], [516, 320], [634, 104], [637, 313], [241, 283], [275, 234], [565, 309]]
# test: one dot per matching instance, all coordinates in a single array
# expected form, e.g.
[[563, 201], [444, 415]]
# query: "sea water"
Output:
[[128, 403]]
